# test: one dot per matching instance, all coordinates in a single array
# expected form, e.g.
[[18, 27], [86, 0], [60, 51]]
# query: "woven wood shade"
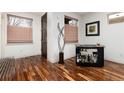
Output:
[[71, 33], [19, 34]]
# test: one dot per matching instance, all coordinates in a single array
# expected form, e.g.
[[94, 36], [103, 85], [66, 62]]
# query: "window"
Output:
[[71, 30], [115, 18], [19, 29]]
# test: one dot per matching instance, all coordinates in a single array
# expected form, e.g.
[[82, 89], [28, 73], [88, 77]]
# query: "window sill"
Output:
[[19, 43]]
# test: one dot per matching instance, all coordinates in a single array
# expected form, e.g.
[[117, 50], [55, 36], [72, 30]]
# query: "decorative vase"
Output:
[[61, 58], [61, 44]]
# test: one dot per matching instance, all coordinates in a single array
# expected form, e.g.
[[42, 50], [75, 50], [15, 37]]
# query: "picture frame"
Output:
[[93, 28]]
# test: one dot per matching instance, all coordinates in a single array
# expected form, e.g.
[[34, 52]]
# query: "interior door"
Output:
[[0, 37], [44, 36]]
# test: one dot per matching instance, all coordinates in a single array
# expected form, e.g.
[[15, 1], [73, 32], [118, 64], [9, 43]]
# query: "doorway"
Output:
[[0, 37], [44, 35]]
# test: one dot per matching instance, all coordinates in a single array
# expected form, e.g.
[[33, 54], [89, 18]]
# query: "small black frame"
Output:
[[96, 26]]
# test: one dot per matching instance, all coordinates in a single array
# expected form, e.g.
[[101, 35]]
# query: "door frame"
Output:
[[45, 14], [0, 36]]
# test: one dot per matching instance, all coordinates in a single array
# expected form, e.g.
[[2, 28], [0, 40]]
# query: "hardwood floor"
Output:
[[37, 69]]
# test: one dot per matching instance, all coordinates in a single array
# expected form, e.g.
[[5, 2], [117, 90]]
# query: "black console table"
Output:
[[90, 55]]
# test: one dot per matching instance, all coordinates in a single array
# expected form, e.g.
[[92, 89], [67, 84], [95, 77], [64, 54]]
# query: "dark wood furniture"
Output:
[[90, 55]]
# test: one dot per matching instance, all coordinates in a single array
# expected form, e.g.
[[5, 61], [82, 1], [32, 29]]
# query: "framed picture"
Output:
[[93, 29]]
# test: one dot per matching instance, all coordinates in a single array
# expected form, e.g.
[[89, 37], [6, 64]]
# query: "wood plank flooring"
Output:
[[39, 69]]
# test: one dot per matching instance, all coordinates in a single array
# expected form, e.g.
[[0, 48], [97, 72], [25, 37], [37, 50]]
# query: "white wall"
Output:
[[111, 36], [53, 51], [22, 50]]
